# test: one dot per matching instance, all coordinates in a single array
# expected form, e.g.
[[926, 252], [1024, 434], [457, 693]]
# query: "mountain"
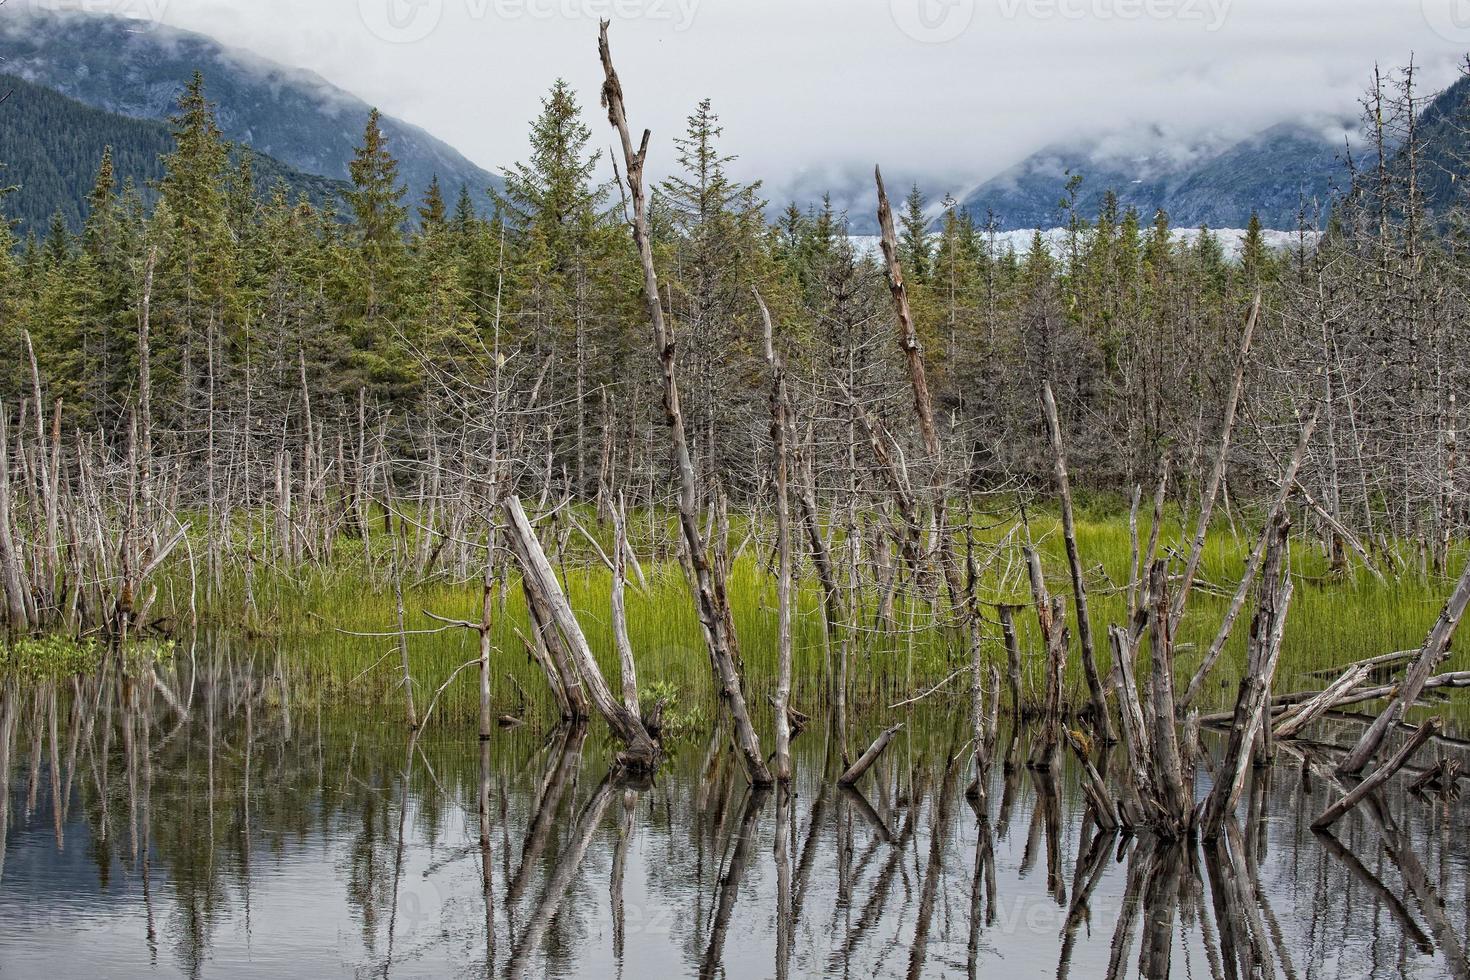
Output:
[[1444, 140], [138, 68], [1203, 181], [50, 147]]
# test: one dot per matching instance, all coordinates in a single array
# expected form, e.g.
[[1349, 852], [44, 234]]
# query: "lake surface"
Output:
[[246, 830]]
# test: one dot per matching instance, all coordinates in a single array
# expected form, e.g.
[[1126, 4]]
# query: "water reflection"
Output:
[[218, 819]]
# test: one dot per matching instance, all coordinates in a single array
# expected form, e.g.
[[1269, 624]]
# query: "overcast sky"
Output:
[[948, 90]]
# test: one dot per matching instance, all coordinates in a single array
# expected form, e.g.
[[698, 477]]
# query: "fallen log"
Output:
[[1436, 648], [1380, 776], [865, 761], [1303, 715], [539, 578], [1288, 702]]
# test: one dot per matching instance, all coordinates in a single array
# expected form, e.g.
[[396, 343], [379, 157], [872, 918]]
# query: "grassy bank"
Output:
[[310, 620]]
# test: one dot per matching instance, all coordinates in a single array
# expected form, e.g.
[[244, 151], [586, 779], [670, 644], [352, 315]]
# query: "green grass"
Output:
[[1332, 622]]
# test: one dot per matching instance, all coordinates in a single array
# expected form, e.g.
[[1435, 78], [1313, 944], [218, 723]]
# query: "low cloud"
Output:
[[946, 92]]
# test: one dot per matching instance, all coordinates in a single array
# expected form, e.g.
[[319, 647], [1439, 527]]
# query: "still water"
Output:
[[245, 830]]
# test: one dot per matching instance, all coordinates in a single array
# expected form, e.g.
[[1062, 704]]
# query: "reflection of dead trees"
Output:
[[1160, 903], [1091, 866], [785, 912], [730, 882], [1382, 892], [559, 777], [487, 856], [933, 871], [982, 893], [619, 870], [1379, 776], [872, 910], [568, 864], [7, 735]]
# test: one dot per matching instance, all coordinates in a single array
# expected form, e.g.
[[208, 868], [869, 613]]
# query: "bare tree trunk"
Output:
[[641, 752], [1252, 567], [780, 435], [17, 614], [1251, 706], [714, 611], [1217, 475], [397, 571], [626, 663], [913, 352], [1074, 560]]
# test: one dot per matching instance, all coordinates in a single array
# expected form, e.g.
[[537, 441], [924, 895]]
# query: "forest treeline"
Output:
[[275, 329]]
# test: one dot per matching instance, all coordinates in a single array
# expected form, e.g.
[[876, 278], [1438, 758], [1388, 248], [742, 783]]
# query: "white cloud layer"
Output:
[[948, 91]]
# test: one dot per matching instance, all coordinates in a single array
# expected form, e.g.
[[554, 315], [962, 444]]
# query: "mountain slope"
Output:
[[50, 147], [137, 69], [1444, 135], [1206, 181]]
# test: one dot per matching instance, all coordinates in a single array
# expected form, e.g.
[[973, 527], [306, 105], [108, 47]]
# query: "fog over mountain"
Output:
[[812, 94]]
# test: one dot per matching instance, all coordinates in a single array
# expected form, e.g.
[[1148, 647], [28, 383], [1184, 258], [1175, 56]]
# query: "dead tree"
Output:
[[1217, 474], [1100, 719], [642, 752], [913, 352], [1255, 686], [709, 585], [780, 441]]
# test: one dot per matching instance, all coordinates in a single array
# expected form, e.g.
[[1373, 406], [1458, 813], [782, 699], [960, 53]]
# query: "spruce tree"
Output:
[[914, 247]]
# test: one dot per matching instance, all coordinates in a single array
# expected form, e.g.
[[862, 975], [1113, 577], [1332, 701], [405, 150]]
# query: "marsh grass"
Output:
[[312, 619]]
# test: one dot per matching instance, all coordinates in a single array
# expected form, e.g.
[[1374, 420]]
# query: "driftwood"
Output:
[[1442, 777], [1302, 715], [1379, 776], [1436, 648], [866, 760]]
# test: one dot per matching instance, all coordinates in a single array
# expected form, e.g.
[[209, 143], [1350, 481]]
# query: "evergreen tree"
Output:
[[914, 247]]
